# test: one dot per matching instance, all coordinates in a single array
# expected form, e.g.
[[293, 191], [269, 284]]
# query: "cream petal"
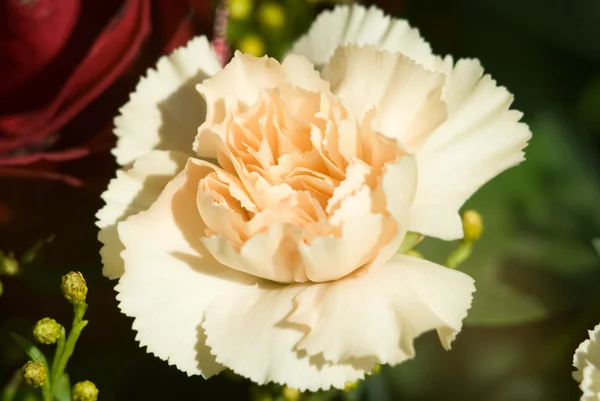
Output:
[[263, 255], [481, 138], [170, 278], [132, 191], [406, 96], [355, 24], [587, 352], [397, 190], [379, 314], [241, 82], [165, 110], [247, 332], [590, 385], [329, 258]]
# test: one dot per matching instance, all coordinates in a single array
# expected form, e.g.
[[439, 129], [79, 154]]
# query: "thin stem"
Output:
[[61, 359], [60, 346]]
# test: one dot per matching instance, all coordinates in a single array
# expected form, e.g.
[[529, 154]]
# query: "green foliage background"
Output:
[[537, 273]]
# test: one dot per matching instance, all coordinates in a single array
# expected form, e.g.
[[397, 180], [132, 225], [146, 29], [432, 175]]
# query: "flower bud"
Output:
[[74, 288], [290, 394], [377, 367], [253, 45], [472, 225], [46, 331], [240, 9], [271, 15], [34, 373], [85, 391], [9, 265]]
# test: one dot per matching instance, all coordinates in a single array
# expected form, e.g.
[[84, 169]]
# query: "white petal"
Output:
[[329, 258], [481, 138], [406, 96], [590, 385], [378, 315], [165, 110], [133, 191], [355, 24], [240, 84], [170, 278], [587, 352], [247, 332]]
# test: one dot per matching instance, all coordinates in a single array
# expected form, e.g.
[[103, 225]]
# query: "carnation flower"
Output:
[[587, 362], [256, 228]]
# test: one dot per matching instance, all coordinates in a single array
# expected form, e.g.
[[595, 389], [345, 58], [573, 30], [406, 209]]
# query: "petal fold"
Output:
[[481, 138], [406, 96], [165, 110], [379, 314], [358, 25], [132, 191], [170, 278], [247, 332]]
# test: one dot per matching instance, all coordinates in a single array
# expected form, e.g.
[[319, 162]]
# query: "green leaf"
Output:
[[62, 391], [10, 390], [31, 350], [496, 303]]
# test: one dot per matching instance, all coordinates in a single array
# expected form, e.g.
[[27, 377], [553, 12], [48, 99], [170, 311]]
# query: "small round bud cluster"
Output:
[[9, 265], [271, 15], [85, 391], [472, 225], [240, 9], [74, 287], [291, 394], [47, 331], [34, 373], [253, 45]]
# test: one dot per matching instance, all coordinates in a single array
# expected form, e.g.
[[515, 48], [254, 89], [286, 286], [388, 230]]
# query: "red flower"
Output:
[[59, 56]]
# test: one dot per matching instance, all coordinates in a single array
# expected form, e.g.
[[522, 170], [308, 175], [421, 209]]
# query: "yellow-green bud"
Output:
[[9, 265], [291, 394], [74, 288], [34, 373], [240, 9], [351, 386], [85, 391], [46, 331], [253, 45], [271, 15], [377, 368], [472, 225]]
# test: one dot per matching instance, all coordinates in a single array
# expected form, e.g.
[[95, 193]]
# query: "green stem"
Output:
[[60, 346], [459, 255], [63, 353], [47, 390]]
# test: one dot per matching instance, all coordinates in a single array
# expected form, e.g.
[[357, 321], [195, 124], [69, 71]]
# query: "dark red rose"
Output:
[[59, 63]]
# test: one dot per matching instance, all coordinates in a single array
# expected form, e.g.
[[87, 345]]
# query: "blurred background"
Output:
[[536, 270]]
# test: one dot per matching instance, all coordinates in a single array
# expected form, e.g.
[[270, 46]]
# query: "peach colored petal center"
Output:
[[300, 179]]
